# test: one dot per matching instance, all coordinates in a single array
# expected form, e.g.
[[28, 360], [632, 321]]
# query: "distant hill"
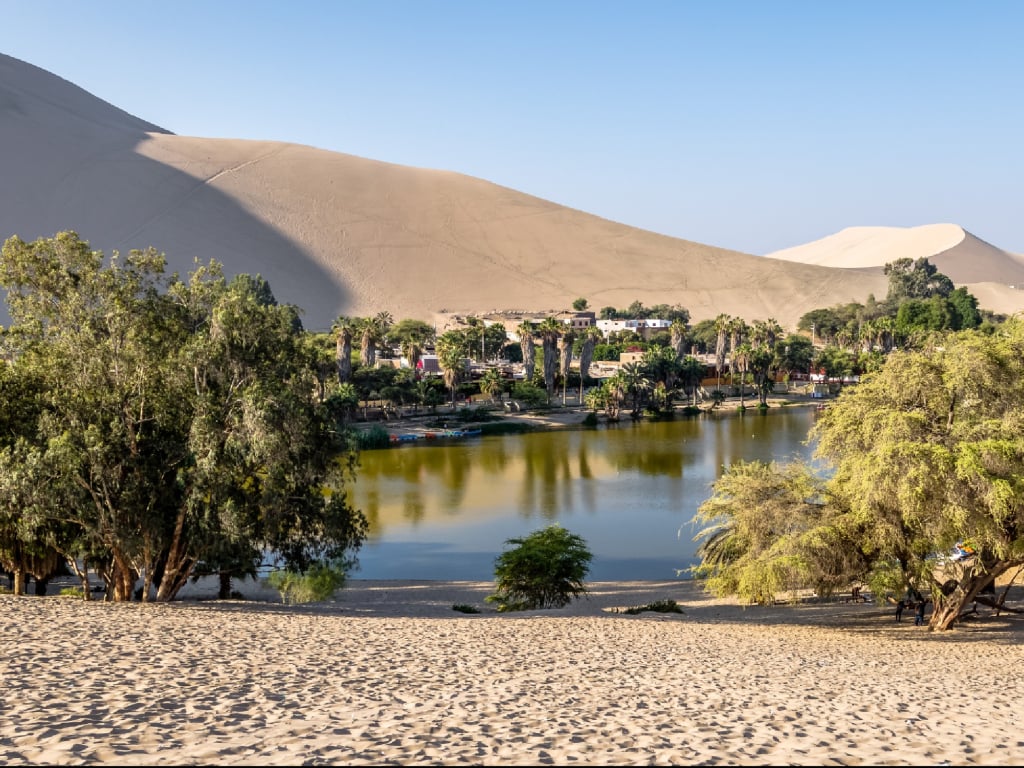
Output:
[[338, 234]]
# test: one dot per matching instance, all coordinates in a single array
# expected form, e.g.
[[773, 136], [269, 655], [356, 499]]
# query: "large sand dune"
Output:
[[993, 275], [338, 234]]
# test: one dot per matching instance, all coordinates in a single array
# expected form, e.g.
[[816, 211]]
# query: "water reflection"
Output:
[[444, 511]]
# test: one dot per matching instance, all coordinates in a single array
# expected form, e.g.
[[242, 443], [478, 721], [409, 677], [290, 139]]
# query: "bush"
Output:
[[530, 394], [465, 608], [374, 437], [590, 420], [544, 570], [71, 592], [319, 582], [658, 606]]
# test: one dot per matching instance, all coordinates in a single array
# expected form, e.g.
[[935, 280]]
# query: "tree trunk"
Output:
[[83, 576], [122, 578], [949, 608], [224, 592], [18, 582]]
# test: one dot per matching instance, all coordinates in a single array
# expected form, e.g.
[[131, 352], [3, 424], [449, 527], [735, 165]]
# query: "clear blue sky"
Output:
[[747, 125]]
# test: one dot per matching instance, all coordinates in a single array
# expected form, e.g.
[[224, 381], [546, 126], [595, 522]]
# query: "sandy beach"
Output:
[[388, 673]]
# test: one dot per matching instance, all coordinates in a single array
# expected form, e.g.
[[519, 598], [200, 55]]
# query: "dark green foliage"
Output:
[[529, 394], [916, 279], [608, 352], [374, 437], [658, 606], [543, 570], [465, 608], [163, 424]]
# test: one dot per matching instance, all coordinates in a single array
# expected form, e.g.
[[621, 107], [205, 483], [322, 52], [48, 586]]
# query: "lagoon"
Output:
[[443, 511]]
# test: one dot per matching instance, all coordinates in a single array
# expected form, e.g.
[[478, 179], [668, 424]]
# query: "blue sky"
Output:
[[746, 125]]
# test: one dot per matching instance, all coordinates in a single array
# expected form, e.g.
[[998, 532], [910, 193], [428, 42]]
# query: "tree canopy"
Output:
[[164, 423], [925, 452]]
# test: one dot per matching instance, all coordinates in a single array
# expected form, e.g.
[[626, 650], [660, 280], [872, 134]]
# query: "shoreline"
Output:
[[564, 416]]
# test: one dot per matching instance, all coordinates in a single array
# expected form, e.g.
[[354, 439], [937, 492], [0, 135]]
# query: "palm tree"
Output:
[[491, 383], [691, 372], [412, 351], [343, 329], [722, 324], [565, 352], [550, 330], [452, 359], [590, 339], [741, 360], [636, 384], [737, 330], [525, 333], [679, 334], [375, 330]]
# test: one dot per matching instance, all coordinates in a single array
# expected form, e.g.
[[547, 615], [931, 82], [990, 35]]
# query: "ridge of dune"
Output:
[[873, 246], [958, 254], [337, 234]]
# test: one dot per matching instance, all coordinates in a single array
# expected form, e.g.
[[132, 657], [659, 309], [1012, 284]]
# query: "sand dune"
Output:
[[994, 276], [338, 234]]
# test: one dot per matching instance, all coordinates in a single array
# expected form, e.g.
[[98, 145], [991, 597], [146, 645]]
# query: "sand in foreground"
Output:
[[389, 673]]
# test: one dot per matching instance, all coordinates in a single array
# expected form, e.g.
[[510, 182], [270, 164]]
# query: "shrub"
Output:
[[530, 394], [72, 592], [658, 606], [465, 608], [374, 437], [319, 582], [544, 570], [590, 420]]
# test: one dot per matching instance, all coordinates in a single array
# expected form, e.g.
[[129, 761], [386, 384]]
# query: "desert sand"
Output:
[[389, 673]]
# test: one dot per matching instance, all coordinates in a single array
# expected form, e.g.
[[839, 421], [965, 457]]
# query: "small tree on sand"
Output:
[[544, 570]]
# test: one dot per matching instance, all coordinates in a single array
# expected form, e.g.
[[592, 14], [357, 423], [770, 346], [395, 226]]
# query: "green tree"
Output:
[[965, 309], [491, 383], [525, 332], [451, 357], [923, 453], [915, 279], [588, 343], [580, 304], [344, 328], [691, 374], [545, 569], [759, 534], [636, 384], [723, 323], [180, 421], [550, 331], [565, 343]]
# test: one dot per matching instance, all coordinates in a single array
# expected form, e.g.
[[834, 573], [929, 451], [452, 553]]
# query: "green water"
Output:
[[444, 511]]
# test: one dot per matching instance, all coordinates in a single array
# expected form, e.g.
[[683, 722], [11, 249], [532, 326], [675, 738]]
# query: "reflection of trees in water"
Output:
[[546, 471], [413, 508], [546, 475], [371, 509]]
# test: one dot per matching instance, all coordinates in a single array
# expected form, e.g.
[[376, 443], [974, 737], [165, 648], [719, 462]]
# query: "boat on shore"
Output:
[[452, 433]]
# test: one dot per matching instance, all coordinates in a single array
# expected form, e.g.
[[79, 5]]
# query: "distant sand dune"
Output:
[[338, 234]]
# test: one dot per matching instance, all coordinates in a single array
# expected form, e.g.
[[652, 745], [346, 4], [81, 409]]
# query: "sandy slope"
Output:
[[994, 276], [338, 234]]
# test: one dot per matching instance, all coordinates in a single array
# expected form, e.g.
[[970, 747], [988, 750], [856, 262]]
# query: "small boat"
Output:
[[462, 432]]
